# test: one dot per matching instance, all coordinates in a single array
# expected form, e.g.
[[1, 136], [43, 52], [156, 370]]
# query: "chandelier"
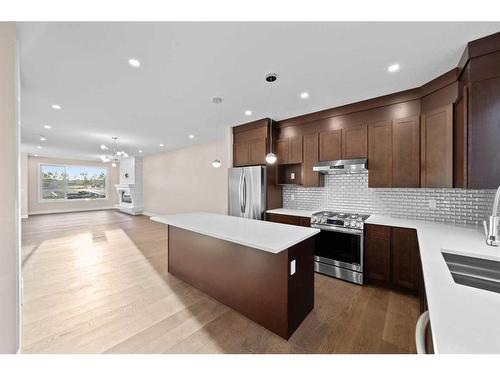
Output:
[[115, 156]]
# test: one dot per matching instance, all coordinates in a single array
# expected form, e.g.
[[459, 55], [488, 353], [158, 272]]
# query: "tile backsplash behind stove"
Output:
[[350, 193]]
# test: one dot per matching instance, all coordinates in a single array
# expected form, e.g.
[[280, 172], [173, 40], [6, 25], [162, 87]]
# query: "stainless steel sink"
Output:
[[474, 272]]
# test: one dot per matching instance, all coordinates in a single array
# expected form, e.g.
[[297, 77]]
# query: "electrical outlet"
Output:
[[432, 204], [292, 176], [292, 197]]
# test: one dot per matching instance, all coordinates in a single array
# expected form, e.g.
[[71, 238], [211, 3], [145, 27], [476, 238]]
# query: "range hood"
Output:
[[342, 166]]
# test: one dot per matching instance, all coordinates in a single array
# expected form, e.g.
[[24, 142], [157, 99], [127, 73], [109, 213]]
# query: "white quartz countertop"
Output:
[[463, 319], [262, 235], [290, 212]]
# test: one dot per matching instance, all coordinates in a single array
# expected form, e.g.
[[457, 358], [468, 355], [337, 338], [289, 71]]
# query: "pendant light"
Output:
[[271, 157], [216, 163]]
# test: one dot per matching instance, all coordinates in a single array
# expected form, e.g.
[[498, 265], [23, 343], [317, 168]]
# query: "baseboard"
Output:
[[71, 210]]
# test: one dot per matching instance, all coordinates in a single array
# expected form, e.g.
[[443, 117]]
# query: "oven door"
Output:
[[341, 249]]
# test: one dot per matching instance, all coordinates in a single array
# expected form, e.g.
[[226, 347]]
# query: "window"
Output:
[[70, 182]]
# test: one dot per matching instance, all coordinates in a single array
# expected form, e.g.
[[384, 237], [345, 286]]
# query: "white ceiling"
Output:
[[83, 67]]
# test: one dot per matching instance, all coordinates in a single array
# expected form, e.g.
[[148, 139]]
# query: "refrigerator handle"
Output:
[[240, 191], [244, 193]]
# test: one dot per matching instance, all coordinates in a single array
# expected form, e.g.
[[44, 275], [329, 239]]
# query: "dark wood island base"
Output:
[[256, 283]]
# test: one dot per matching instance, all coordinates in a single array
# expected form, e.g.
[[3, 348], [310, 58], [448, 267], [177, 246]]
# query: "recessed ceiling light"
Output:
[[104, 147], [191, 136], [134, 62], [47, 127], [35, 155], [57, 107], [304, 95], [161, 145], [39, 147], [43, 139], [140, 151], [248, 112], [393, 68]]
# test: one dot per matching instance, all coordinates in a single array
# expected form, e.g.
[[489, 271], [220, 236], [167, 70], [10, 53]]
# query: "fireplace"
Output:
[[126, 197], [130, 187]]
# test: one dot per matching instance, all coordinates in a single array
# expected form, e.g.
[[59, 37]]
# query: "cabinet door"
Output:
[[282, 151], [405, 260], [257, 151], [311, 154], [460, 141], [330, 145], [406, 152], [377, 254], [380, 154], [241, 154], [354, 142], [437, 148], [295, 150]]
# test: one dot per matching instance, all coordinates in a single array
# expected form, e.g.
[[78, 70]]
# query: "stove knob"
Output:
[[353, 224], [323, 221], [359, 225]]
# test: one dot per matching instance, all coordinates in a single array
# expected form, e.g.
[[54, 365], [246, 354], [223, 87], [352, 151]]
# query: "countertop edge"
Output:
[[237, 241]]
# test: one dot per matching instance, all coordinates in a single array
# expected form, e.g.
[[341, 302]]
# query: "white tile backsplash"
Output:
[[350, 193]]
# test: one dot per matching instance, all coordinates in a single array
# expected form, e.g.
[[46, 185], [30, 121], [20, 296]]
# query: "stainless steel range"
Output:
[[339, 246]]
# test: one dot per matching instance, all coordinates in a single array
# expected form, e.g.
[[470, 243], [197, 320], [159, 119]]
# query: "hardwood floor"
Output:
[[96, 282]]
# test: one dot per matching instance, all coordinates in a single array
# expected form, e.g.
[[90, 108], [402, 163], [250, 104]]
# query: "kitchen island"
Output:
[[261, 269]]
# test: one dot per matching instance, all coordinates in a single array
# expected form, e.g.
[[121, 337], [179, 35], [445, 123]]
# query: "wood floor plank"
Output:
[[97, 282]]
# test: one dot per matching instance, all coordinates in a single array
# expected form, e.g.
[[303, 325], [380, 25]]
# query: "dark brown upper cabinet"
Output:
[[355, 142], [289, 150], [241, 154], [406, 152], [346, 143], [258, 151], [250, 143], [380, 154], [460, 140], [311, 156], [436, 163], [330, 145]]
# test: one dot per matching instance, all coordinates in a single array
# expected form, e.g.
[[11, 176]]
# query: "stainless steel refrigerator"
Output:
[[247, 192]]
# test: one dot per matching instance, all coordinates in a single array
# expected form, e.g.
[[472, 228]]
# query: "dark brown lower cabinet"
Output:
[[289, 219], [405, 259], [392, 257], [377, 254]]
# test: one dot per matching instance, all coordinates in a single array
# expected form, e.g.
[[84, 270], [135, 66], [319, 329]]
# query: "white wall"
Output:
[[9, 204], [36, 207], [24, 184], [184, 180]]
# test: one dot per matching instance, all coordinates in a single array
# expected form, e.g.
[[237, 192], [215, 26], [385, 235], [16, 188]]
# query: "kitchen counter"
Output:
[[291, 212], [258, 234], [463, 319]]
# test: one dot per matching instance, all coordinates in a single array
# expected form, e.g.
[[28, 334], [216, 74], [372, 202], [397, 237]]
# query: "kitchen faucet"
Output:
[[491, 227]]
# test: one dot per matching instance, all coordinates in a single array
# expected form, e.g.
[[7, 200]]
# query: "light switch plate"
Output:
[[292, 176], [292, 197], [292, 267]]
